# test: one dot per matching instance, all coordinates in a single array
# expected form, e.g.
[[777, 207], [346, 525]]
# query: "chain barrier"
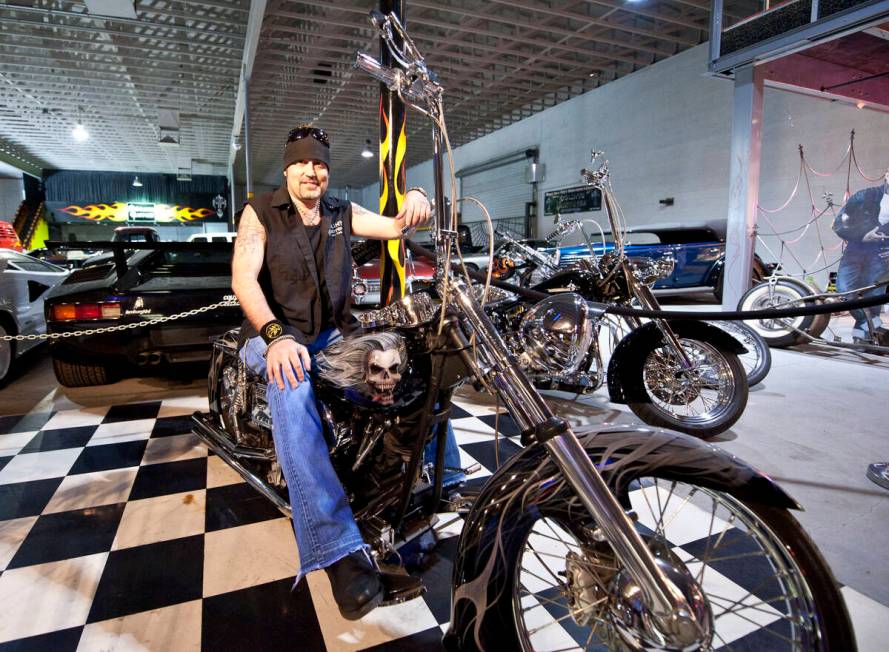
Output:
[[225, 303]]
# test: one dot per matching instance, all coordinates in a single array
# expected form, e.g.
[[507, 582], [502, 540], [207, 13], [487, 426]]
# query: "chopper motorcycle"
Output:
[[576, 533], [682, 374], [516, 261]]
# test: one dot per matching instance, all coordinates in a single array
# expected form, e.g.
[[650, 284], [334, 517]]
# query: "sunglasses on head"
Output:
[[305, 132]]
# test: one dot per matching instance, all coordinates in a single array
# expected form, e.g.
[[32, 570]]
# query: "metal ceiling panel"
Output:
[[115, 67], [500, 60]]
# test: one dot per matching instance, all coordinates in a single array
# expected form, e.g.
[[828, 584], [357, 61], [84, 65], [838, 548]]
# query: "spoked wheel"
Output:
[[703, 400], [777, 294], [758, 580], [758, 360]]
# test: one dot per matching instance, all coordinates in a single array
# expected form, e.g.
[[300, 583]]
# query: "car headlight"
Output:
[[558, 332]]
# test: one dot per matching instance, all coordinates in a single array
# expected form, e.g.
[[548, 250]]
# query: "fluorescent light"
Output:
[[136, 182], [367, 152], [79, 133]]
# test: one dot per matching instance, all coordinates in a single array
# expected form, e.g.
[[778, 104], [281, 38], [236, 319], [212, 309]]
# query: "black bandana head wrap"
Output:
[[306, 149]]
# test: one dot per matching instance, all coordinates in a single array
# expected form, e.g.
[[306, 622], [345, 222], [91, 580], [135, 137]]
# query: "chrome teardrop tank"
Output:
[[557, 333]]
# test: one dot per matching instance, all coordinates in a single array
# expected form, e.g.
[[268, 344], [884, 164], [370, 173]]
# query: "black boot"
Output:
[[356, 585]]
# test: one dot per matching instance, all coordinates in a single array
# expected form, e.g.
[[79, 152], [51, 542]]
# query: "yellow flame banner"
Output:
[[120, 212]]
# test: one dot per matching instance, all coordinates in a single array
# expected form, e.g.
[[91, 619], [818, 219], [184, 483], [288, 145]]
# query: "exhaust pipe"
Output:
[[148, 358], [208, 434]]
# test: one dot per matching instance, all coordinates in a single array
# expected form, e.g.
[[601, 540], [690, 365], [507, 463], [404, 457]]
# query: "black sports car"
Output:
[[155, 280]]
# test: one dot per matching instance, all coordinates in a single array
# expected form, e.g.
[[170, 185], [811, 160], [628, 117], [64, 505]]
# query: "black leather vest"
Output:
[[289, 276]]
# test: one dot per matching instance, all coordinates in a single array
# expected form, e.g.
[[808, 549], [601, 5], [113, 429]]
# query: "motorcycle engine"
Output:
[[557, 333]]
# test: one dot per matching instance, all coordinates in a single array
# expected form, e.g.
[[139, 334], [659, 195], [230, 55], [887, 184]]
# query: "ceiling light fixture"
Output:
[[367, 152], [136, 182], [79, 133]]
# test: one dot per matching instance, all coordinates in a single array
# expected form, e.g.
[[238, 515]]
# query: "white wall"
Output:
[[666, 131], [12, 192]]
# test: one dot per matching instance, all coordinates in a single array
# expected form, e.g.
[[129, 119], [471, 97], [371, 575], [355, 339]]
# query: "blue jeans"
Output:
[[860, 266], [322, 519]]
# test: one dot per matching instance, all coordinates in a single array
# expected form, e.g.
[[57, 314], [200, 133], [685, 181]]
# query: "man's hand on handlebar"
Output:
[[287, 358], [415, 210]]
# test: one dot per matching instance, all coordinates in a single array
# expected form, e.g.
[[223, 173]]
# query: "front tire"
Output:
[[81, 375], [703, 401], [753, 564], [782, 332]]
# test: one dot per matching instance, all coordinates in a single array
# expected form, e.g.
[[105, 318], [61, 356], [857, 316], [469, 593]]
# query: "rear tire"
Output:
[[7, 353], [81, 375]]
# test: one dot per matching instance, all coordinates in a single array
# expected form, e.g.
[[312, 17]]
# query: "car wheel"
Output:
[[81, 375], [5, 355]]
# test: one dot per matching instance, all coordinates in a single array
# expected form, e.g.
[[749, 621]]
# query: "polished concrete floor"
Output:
[[813, 425]]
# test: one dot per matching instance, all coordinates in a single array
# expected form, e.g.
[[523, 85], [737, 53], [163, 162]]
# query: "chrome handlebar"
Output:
[[415, 84], [563, 229]]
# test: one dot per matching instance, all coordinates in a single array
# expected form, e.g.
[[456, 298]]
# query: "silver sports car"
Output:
[[24, 281]]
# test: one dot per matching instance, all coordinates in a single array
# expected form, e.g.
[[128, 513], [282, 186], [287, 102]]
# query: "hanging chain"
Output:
[[225, 303]]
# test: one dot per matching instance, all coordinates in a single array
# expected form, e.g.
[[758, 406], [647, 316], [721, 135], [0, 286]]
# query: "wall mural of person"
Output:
[[864, 224]]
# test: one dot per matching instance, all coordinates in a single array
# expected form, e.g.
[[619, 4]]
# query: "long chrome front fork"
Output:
[[532, 414], [646, 297]]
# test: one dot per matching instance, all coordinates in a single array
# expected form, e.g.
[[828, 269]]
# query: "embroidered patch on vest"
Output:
[[336, 228]]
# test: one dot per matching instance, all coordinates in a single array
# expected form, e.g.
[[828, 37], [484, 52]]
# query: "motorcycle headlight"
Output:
[[558, 332]]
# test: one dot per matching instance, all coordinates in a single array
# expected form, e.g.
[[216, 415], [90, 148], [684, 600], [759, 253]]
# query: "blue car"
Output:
[[697, 248]]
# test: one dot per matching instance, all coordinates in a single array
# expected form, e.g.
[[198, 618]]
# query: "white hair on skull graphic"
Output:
[[347, 363]]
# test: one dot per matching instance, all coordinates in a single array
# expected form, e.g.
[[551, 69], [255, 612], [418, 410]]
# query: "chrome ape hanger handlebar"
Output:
[[418, 88], [415, 84]]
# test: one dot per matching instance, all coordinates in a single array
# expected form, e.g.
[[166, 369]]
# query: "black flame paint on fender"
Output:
[[531, 478]]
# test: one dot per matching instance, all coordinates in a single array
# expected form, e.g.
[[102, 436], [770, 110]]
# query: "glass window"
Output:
[[27, 263]]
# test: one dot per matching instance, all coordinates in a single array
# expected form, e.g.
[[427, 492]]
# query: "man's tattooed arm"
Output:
[[414, 212], [246, 264]]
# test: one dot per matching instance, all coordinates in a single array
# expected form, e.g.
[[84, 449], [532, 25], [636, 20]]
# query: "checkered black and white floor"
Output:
[[119, 532]]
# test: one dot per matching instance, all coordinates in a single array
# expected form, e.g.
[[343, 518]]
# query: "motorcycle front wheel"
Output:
[[763, 583], [702, 401]]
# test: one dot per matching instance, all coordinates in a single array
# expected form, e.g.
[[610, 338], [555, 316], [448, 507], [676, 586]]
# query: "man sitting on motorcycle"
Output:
[[291, 272]]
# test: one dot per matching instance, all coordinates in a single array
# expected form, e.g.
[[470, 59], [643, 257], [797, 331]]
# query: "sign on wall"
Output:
[[572, 200], [135, 212]]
